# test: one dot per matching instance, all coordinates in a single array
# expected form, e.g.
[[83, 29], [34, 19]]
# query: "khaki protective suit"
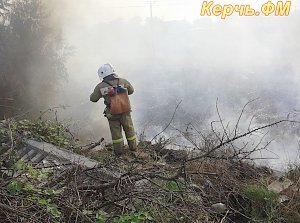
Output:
[[117, 122]]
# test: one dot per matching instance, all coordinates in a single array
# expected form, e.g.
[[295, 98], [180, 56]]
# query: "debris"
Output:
[[219, 208], [280, 185], [283, 198], [82, 189]]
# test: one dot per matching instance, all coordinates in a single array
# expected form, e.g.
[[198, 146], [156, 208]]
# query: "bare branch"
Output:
[[238, 137]]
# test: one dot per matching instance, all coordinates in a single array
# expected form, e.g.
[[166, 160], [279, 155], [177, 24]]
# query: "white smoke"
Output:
[[195, 61]]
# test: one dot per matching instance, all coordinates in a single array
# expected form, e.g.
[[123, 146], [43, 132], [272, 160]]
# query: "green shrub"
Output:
[[264, 203], [48, 131]]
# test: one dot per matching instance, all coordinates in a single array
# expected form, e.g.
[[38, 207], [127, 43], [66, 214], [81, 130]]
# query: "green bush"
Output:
[[48, 131], [30, 187], [264, 205], [137, 217]]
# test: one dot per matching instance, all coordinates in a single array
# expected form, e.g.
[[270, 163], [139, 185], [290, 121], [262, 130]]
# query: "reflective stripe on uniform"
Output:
[[116, 141], [131, 138]]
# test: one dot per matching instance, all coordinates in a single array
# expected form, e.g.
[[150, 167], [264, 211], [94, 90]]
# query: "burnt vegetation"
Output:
[[217, 181]]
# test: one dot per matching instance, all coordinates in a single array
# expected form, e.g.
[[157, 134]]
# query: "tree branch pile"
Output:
[[156, 185]]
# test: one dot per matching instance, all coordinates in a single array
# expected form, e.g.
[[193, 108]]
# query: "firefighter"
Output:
[[110, 81]]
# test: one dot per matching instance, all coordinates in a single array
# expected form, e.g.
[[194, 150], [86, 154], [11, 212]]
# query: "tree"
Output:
[[33, 57]]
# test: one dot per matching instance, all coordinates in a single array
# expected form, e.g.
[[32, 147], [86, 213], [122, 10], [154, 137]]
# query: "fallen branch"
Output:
[[237, 137]]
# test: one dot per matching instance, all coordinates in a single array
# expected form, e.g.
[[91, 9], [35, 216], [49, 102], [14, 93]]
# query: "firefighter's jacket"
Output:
[[101, 90], [116, 122]]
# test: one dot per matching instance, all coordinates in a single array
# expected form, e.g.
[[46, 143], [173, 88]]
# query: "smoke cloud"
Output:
[[173, 60]]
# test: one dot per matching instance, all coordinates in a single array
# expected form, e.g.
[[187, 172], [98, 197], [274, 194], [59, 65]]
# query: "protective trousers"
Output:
[[116, 123]]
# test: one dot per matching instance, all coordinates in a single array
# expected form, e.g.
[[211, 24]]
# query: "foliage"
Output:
[[48, 131], [264, 203], [100, 218], [14, 187], [169, 194], [173, 185], [30, 186], [134, 218], [137, 217], [32, 56]]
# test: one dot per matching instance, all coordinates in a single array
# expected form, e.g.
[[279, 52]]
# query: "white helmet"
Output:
[[105, 70]]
